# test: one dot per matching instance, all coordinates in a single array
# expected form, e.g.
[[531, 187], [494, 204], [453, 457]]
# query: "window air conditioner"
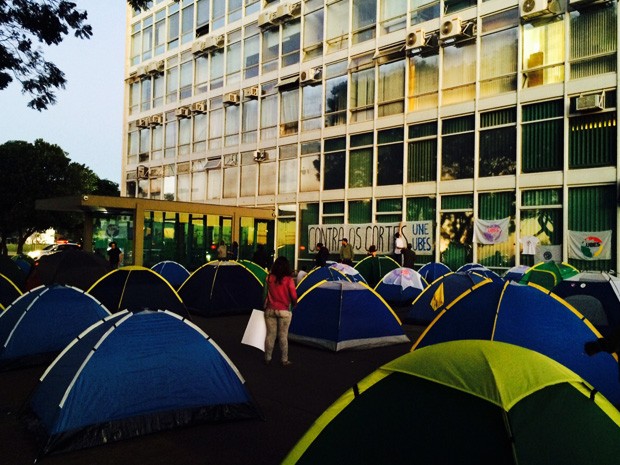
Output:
[[231, 98], [156, 67], [590, 102], [183, 112], [251, 92], [450, 28], [267, 19], [199, 107], [310, 75], [141, 71], [213, 42], [199, 47], [156, 120], [142, 172], [534, 8], [260, 155], [287, 10], [416, 39], [143, 122]]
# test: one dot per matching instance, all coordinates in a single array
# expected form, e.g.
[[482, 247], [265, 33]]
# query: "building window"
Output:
[[334, 163], [218, 12], [145, 97], [169, 187], [172, 81], [393, 16], [390, 157], [185, 137], [136, 43], [543, 53], [389, 211], [423, 82], [173, 26], [170, 139], [251, 49], [541, 218], [183, 187], [423, 10], [290, 42], [452, 6], [147, 38], [267, 176], [157, 143], [216, 122], [232, 129], [202, 17], [391, 93], [362, 100], [361, 160], [271, 50], [159, 90], [235, 10], [498, 143], [337, 32], [287, 172], [592, 137], [364, 20], [496, 206], [200, 133], [313, 29], [199, 185], [201, 84], [249, 172], [333, 213], [133, 145], [336, 94], [187, 23], [216, 71], [310, 166], [360, 211], [593, 40], [155, 185], [457, 151], [159, 32], [186, 76], [289, 111], [459, 74], [231, 182], [422, 153], [498, 51], [269, 112], [214, 184], [542, 130], [311, 107], [233, 58], [249, 121], [456, 227]]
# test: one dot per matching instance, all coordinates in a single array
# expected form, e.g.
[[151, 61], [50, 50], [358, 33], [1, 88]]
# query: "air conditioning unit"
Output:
[[590, 102], [141, 71], [533, 8], [156, 120], [310, 75], [450, 28], [252, 92], [287, 10], [232, 98], [260, 155], [267, 19], [199, 107], [143, 122], [156, 67], [416, 39], [142, 172], [213, 42], [183, 112], [199, 47]]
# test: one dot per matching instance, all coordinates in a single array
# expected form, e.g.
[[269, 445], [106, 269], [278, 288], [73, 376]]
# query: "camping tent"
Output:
[[596, 295], [349, 271], [318, 274], [72, 267], [400, 286], [136, 288], [13, 272], [466, 402], [222, 287], [43, 321], [434, 298], [260, 272], [516, 273], [433, 270], [548, 274], [8, 291], [529, 317], [134, 374], [171, 271], [341, 315], [375, 268]]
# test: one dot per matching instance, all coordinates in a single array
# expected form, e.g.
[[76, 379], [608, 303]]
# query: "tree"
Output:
[[37, 171], [24, 26]]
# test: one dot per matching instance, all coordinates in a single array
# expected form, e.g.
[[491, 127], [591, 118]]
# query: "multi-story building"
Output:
[[357, 117]]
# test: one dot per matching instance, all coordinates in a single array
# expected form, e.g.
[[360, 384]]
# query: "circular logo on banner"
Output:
[[592, 246], [493, 232], [112, 230]]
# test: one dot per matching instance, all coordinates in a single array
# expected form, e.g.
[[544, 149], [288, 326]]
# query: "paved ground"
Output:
[[291, 398]]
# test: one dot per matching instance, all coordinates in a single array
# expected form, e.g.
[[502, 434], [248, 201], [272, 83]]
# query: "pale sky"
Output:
[[86, 121]]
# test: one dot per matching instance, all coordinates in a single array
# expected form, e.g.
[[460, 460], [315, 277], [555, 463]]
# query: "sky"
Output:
[[87, 119]]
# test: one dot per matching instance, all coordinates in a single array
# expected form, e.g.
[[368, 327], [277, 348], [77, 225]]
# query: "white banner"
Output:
[[491, 231], [361, 236], [589, 245], [548, 253]]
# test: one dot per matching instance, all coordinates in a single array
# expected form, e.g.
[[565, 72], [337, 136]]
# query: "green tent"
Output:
[[373, 269], [257, 270], [548, 274], [466, 402]]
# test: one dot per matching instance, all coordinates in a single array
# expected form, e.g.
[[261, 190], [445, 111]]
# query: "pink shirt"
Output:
[[280, 295]]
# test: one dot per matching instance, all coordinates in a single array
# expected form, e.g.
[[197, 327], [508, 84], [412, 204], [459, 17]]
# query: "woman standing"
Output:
[[281, 297]]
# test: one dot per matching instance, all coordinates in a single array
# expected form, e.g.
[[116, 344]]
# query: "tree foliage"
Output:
[[38, 171], [26, 25]]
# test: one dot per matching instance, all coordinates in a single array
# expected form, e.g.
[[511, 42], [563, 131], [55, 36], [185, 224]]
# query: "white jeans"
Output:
[[277, 322]]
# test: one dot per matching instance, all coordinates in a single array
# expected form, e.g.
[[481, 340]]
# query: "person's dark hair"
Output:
[[280, 268]]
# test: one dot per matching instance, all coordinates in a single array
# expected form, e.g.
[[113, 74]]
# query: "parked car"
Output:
[[52, 248]]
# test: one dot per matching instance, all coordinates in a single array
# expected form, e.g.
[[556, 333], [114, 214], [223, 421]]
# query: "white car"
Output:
[[52, 248]]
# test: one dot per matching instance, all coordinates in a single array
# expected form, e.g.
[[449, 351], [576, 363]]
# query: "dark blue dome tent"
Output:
[[133, 374], [171, 271]]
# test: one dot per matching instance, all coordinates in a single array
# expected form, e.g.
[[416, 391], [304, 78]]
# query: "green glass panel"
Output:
[[421, 208], [457, 202], [360, 211], [544, 110], [541, 197], [423, 130], [592, 141], [331, 208], [422, 161]]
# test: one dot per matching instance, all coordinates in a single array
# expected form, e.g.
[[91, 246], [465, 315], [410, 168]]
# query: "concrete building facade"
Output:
[[484, 131]]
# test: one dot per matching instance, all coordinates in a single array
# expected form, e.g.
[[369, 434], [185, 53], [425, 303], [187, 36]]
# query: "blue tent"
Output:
[[171, 271], [440, 293], [44, 320], [222, 287], [9, 291], [318, 274], [516, 273], [529, 317], [341, 315], [401, 286], [349, 271], [134, 374], [137, 288], [433, 270]]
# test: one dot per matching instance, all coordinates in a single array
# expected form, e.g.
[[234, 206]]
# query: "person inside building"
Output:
[[346, 252], [222, 251], [114, 255], [322, 254], [260, 256], [408, 256]]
